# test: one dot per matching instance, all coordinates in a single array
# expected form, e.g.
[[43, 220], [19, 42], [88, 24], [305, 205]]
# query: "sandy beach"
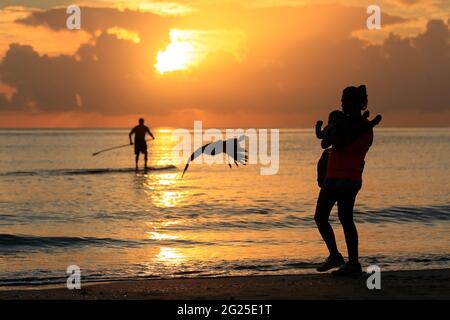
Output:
[[421, 284]]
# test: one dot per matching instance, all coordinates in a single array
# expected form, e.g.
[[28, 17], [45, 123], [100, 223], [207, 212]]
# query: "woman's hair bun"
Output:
[[362, 89]]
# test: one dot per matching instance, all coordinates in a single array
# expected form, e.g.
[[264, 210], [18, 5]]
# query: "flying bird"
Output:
[[230, 147]]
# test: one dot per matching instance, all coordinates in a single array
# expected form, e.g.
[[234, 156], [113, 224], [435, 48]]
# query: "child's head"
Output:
[[335, 116]]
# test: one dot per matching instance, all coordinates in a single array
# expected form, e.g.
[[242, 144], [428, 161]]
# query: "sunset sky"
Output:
[[268, 63]]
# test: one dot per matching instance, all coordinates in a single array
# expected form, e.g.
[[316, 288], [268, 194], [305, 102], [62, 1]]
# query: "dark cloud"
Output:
[[412, 73], [38, 79], [298, 63], [35, 3], [93, 19]]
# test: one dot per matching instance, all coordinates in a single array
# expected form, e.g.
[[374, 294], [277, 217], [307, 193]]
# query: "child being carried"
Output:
[[340, 130]]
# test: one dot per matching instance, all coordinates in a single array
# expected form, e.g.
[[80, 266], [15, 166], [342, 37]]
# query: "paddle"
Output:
[[113, 148]]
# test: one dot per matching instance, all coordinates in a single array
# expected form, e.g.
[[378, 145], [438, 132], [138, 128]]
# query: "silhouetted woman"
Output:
[[343, 180]]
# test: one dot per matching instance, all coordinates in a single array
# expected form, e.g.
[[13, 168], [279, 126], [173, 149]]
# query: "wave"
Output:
[[10, 243], [401, 214], [273, 218], [214, 217], [65, 172]]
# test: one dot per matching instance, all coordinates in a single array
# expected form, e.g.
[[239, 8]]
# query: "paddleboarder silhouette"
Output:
[[140, 145]]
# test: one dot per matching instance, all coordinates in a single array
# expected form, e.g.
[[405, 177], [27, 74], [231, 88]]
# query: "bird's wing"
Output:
[[235, 151], [213, 148], [193, 156]]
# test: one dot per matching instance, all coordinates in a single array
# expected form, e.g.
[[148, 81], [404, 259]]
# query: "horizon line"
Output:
[[205, 128]]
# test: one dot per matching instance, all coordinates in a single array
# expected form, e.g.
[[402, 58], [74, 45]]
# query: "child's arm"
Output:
[[319, 133]]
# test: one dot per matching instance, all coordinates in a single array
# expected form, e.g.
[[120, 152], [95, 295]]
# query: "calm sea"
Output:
[[61, 206]]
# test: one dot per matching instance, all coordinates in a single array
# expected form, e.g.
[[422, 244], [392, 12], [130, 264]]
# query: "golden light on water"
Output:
[[163, 190], [189, 48], [164, 144], [161, 236], [168, 199], [169, 255], [156, 234]]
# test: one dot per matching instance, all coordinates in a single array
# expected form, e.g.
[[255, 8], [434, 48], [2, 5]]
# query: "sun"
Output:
[[189, 48], [180, 54], [175, 57]]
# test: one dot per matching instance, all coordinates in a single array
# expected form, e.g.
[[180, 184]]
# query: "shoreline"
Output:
[[409, 284]]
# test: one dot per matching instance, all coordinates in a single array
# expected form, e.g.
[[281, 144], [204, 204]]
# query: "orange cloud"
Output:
[[124, 34]]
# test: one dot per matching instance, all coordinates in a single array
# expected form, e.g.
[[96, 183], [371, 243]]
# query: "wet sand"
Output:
[[421, 284]]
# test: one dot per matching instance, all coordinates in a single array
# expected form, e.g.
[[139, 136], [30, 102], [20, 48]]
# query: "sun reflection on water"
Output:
[[161, 236], [157, 234], [163, 190], [169, 255]]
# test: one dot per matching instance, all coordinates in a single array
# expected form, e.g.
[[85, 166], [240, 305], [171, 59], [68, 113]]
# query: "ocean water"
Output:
[[61, 206]]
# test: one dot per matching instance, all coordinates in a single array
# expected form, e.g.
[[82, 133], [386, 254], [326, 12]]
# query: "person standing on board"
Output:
[[140, 145]]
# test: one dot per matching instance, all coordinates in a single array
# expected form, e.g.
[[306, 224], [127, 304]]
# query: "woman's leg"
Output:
[[345, 203], [325, 203]]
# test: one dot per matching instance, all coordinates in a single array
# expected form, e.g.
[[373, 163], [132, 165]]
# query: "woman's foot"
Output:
[[349, 269], [331, 262]]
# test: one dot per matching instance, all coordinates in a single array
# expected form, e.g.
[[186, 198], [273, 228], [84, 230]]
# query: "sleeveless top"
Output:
[[347, 162]]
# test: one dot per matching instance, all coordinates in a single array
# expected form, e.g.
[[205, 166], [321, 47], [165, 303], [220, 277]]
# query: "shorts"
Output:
[[342, 184], [140, 147]]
